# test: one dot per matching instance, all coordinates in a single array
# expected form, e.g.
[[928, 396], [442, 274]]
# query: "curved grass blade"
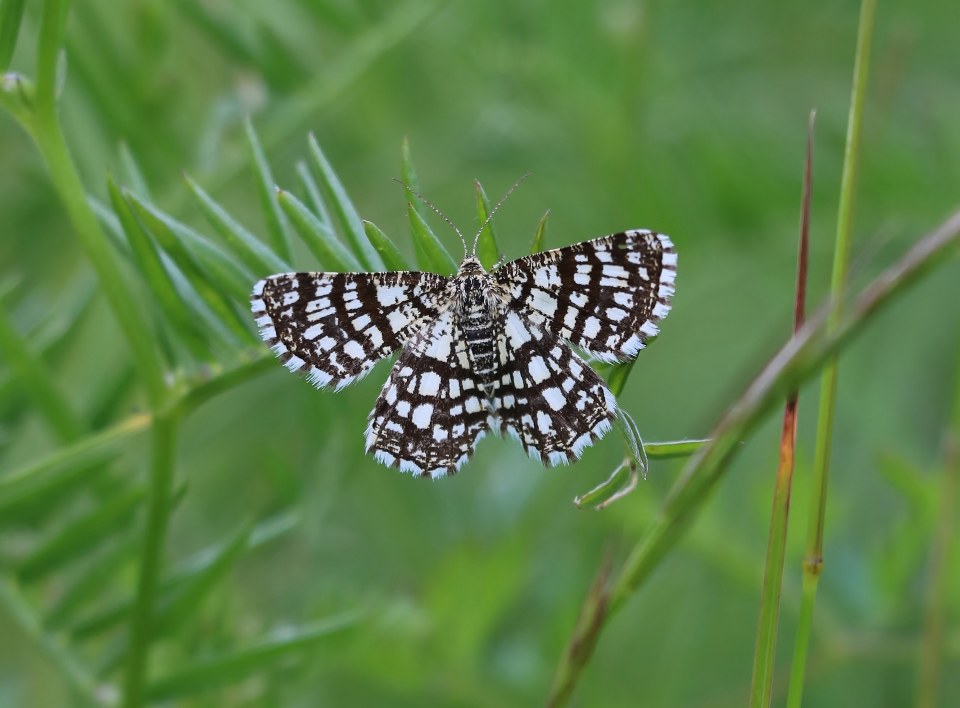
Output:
[[408, 174], [318, 237], [276, 224], [343, 210], [392, 258], [238, 665]]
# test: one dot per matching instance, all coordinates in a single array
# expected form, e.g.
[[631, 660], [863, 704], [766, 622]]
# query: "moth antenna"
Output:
[[435, 208], [493, 211]]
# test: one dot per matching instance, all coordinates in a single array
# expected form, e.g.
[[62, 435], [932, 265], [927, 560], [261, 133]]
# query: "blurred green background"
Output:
[[688, 118]]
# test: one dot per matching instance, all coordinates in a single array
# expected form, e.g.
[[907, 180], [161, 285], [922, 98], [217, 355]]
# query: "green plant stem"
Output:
[[70, 668], [163, 450], [799, 359], [47, 133], [813, 556]]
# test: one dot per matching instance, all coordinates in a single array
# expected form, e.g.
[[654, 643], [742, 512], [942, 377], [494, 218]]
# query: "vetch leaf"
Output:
[[431, 255], [487, 249], [343, 209], [157, 276], [318, 237], [276, 225], [76, 538], [250, 250], [541, 234], [392, 258]]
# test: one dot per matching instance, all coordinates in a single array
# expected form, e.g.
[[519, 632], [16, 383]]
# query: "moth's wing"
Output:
[[334, 327], [605, 296], [430, 413], [548, 397]]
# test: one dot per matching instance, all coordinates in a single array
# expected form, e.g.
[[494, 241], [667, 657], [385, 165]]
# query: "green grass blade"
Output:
[[266, 186], [36, 383], [236, 666], [77, 537], [487, 249], [392, 257], [318, 237], [431, 255], [343, 210], [247, 247], [157, 276], [541, 234], [11, 15]]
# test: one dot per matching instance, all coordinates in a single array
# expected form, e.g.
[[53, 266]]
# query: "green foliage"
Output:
[[181, 521]]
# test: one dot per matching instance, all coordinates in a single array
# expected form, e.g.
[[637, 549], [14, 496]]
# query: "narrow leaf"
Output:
[[187, 246], [188, 599], [147, 258], [90, 584], [392, 258], [11, 16], [431, 255], [132, 174], [247, 247], [236, 666], [35, 381], [43, 477], [343, 209], [76, 538], [319, 238], [487, 249], [540, 236], [408, 174], [210, 284], [312, 197], [276, 224]]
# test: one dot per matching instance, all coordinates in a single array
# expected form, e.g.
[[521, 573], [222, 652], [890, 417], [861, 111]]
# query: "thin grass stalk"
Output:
[[813, 556], [163, 450], [933, 641], [764, 658], [798, 360]]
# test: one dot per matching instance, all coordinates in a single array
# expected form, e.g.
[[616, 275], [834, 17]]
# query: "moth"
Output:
[[479, 351]]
